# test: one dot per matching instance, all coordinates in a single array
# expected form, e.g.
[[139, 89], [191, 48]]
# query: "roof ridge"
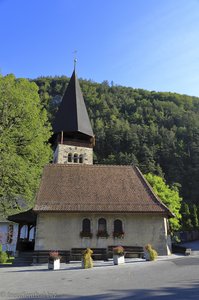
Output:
[[87, 165]]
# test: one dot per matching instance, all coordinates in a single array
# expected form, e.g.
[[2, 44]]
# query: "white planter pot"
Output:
[[54, 264], [117, 260]]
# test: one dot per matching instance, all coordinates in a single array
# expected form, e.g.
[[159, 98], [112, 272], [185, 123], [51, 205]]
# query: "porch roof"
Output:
[[28, 217]]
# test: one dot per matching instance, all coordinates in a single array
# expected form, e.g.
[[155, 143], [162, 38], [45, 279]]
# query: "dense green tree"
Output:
[[197, 206], [194, 214], [169, 196], [186, 217], [157, 131], [24, 132]]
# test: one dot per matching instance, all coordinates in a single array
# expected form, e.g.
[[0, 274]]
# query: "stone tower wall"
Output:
[[62, 152]]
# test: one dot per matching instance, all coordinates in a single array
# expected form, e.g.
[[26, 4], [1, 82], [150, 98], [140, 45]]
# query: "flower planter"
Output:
[[54, 264], [102, 234], [118, 259]]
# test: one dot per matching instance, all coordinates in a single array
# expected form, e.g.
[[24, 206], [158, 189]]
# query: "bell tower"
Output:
[[73, 134]]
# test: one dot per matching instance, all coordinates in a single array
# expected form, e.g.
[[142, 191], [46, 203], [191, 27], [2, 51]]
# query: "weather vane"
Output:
[[75, 58]]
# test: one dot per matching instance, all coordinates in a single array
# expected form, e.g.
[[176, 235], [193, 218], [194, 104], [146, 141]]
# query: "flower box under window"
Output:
[[102, 233], [84, 234], [119, 235]]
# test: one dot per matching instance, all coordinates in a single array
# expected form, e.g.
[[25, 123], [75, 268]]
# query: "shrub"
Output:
[[151, 252], [87, 259], [3, 257]]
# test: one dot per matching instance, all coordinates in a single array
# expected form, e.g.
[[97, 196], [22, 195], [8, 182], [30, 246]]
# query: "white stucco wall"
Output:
[[61, 231]]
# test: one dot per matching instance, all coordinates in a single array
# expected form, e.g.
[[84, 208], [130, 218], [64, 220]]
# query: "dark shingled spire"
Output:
[[72, 116]]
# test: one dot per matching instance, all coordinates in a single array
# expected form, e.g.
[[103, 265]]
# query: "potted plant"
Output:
[[54, 260], [118, 255], [150, 253], [87, 261]]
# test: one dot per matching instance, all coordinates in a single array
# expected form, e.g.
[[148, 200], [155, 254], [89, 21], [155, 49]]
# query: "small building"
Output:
[[8, 235], [25, 232], [84, 205]]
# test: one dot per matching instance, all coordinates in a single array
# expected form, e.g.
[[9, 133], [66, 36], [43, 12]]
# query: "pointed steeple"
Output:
[[72, 116], [73, 135]]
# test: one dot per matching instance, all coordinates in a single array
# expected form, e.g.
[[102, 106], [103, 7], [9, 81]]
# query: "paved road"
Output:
[[168, 278]]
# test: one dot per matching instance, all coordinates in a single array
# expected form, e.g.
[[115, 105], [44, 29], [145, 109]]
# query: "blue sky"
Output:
[[149, 44]]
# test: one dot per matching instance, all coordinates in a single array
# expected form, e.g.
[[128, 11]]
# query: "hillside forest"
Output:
[[157, 131]]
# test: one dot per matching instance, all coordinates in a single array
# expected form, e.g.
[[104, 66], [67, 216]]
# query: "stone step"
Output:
[[23, 259], [26, 254], [22, 263]]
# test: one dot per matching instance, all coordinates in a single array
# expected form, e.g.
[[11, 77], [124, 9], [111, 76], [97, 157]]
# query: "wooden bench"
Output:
[[76, 253], [133, 251], [129, 251], [42, 256], [98, 253]]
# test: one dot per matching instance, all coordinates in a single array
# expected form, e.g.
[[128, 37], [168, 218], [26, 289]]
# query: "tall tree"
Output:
[[195, 217], [24, 133], [186, 217], [169, 196], [157, 131]]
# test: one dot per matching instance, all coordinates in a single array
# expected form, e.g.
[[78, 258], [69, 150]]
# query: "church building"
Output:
[[80, 204]]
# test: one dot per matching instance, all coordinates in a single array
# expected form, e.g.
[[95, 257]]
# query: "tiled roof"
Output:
[[96, 188]]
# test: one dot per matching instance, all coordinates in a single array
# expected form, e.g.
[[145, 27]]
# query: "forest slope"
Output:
[[157, 131]]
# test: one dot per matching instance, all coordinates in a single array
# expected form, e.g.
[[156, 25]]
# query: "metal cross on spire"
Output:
[[75, 58]]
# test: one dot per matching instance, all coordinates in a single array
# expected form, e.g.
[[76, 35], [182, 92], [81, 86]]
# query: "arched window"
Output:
[[81, 158], [69, 157], [86, 226], [86, 229], [118, 228], [102, 229], [102, 225], [75, 158]]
